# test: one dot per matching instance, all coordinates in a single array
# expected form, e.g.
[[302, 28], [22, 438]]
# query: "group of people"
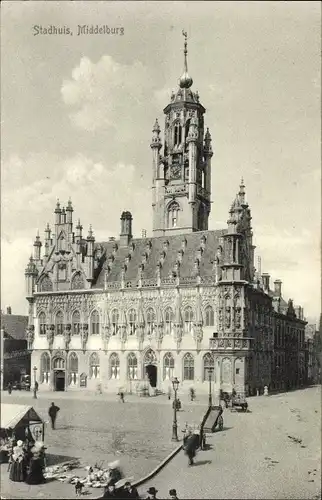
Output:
[[27, 462], [130, 491]]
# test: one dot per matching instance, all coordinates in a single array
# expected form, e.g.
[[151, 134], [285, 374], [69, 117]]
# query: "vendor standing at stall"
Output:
[[37, 464], [18, 466]]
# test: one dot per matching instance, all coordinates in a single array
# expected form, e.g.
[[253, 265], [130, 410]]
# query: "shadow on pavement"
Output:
[[202, 462], [58, 459]]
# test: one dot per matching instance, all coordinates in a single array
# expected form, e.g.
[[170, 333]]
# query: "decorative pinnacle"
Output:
[[79, 226], [57, 209], [156, 126], [69, 207], [242, 192], [90, 236], [185, 81]]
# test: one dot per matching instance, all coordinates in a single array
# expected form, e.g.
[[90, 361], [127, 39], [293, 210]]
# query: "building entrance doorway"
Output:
[[59, 380], [151, 372]]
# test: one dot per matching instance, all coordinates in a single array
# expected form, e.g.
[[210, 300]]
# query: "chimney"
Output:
[[9, 310], [126, 229], [265, 279], [278, 288]]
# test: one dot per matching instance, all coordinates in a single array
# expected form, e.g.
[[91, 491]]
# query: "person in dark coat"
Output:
[[130, 491], [115, 472], [9, 387], [110, 491], [152, 492], [173, 494], [52, 412], [191, 446], [37, 464]]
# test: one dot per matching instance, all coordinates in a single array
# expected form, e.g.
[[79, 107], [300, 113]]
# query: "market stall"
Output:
[[20, 422]]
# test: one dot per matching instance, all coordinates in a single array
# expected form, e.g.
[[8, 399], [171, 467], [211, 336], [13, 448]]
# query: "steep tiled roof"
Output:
[[14, 326], [158, 245]]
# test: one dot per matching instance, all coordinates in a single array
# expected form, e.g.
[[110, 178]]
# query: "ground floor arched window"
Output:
[[168, 366], [132, 361], [73, 369], [188, 367], [94, 366], [114, 366], [208, 363], [45, 368]]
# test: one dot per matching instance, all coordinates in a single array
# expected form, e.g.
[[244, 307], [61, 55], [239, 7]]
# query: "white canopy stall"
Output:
[[20, 420]]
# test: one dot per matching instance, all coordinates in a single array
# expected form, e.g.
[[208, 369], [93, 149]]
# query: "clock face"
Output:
[[175, 171]]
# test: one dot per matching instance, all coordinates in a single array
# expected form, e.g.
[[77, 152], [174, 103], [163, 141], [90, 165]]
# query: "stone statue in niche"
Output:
[[67, 336], [238, 317], [50, 335], [30, 336], [220, 318], [227, 317], [84, 335]]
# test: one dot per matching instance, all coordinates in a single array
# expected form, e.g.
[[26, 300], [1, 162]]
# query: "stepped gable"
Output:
[[150, 267]]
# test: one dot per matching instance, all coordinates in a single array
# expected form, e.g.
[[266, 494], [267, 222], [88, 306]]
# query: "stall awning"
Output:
[[13, 415]]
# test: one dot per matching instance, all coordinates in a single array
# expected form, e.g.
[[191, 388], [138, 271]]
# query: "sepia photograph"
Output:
[[161, 327]]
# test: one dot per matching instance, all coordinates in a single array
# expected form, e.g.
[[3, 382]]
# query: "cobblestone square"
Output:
[[255, 456]]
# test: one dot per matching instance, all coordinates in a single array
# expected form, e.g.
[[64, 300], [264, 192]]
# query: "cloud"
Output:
[[107, 93]]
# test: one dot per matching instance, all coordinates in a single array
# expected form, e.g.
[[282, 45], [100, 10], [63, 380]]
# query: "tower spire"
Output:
[[185, 81]]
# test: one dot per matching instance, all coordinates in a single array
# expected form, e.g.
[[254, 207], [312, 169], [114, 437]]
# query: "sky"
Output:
[[78, 112]]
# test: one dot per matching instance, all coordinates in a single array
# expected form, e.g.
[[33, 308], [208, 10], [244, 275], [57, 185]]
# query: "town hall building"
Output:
[[130, 313]]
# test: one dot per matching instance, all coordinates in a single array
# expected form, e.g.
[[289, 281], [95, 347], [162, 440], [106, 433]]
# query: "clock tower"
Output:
[[181, 186]]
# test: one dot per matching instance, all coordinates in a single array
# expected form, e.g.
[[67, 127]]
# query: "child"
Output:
[[78, 488]]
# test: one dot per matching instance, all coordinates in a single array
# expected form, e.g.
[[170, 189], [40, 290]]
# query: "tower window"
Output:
[[177, 134], [173, 212]]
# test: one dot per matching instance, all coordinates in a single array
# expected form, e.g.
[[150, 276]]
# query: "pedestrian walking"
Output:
[[9, 387], [122, 397], [152, 493], [191, 446], [173, 494], [52, 412]]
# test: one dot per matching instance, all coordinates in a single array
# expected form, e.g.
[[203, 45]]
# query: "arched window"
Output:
[[75, 323], [114, 366], [208, 362], [209, 316], [173, 214], [73, 368], [45, 368], [132, 364], [168, 366], [95, 323], [168, 316], [177, 134], [94, 366], [132, 321], [42, 323], [188, 319], [150, 321], [188, 367], [59, 323], [59, 364], [115, 321]]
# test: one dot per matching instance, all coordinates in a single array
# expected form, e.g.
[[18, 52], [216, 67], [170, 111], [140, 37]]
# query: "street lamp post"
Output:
[[175, 385], [210, 370], [35, 388]]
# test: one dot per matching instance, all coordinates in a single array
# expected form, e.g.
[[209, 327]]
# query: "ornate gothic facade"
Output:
[[139, 311]]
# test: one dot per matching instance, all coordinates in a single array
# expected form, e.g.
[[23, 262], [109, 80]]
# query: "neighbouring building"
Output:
[[313, 353], [134, 311], [15, 357]]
